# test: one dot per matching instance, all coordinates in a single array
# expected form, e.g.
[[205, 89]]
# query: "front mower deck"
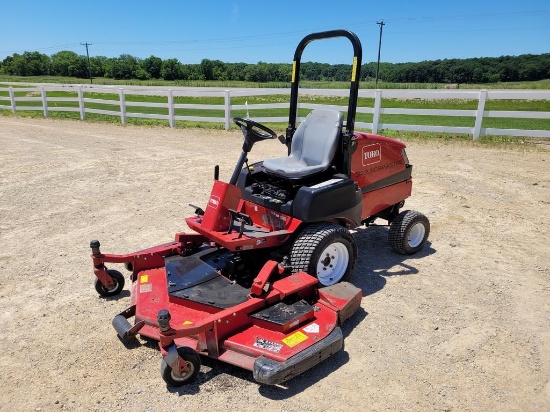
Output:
[[287, 328]]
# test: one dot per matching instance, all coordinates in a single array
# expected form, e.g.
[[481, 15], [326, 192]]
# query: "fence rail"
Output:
[[126, 109]]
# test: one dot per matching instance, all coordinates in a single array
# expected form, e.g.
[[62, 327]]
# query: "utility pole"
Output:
[[88, 56], [381, 24]]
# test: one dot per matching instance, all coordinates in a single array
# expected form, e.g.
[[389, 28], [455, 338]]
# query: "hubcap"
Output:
[[416, 235], [332, 264]]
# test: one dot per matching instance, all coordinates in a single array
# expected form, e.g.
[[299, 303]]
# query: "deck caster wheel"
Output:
[[408, 232], [193, 362], [325, 250], [113, 290]]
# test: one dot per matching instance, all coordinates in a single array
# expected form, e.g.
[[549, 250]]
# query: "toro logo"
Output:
[[214, 201], [372, 154]]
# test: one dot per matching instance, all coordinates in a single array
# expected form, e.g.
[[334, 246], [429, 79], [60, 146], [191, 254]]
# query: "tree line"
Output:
[[526, 67]]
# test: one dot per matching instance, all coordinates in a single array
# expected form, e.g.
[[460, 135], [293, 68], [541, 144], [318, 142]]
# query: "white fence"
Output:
[[39, 94]]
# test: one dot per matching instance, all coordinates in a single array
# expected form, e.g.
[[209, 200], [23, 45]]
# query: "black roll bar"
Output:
[[355, 77]]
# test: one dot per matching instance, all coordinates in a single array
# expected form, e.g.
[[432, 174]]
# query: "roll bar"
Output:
[[354, 85]]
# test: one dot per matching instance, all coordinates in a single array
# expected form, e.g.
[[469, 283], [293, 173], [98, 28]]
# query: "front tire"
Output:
[[409, 232], [325, 250], [118, 278]]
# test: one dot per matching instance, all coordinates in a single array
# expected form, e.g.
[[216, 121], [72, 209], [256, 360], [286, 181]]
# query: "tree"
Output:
[[98, 66], [61, 62], [79, 68], [153, 66], [525, 67], [28, 64], [171, 69], [124, 67], [141, 74]]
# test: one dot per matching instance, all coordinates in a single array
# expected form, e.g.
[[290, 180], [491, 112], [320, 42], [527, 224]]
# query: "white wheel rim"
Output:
[[332, 264], [112, 288], [185, 375], [416, 235]]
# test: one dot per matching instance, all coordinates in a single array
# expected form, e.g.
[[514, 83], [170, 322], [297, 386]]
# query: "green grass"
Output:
[[449, 121], [541, 84]]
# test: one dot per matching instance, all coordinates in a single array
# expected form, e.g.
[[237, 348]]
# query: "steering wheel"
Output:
[[253, 130]]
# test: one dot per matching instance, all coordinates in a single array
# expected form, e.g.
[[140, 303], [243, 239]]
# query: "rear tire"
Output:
[[409, 232], [193, 361], [325, 250]]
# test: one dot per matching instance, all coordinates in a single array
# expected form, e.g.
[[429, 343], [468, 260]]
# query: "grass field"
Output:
[[541, 84], [455, 104]]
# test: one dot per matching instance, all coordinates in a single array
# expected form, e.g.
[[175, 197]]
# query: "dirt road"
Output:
[[462, 326]]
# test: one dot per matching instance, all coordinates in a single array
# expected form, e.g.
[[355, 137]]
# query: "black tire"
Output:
[[408, 232], [193, 361], [115, 289], [325, 250]]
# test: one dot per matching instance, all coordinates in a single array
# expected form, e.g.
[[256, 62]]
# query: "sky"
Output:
[[269, 31]]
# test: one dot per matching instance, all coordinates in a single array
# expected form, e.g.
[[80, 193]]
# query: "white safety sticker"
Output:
[[313, 328]]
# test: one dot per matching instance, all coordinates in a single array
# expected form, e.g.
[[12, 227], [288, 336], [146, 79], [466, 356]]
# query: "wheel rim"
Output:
[[333, 263], [184, 375], [416, 235], [112, 288]]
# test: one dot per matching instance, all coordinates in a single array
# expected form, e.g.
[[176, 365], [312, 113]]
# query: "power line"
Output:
[[347, 25]]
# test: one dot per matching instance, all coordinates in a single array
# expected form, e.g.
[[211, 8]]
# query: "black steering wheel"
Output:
[[253, 130]]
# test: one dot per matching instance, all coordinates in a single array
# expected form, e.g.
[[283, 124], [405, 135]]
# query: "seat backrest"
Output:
[[316, 139]]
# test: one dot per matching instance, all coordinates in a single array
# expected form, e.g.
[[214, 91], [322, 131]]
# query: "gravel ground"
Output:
[[462, 326]]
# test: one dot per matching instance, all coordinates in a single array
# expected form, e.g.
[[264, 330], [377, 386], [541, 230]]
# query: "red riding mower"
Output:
[[259, 284]]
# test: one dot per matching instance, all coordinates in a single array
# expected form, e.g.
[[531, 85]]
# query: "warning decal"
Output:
[[144, 279], [267, 345], [295, 339]]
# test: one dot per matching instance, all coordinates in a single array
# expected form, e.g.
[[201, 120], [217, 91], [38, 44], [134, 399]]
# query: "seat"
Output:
[[313, 146]]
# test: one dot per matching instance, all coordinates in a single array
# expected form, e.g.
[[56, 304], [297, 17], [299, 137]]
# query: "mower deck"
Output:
[[290, 327]]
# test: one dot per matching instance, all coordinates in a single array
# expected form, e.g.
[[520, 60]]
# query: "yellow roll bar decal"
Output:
[[354, 69], [293, 71]]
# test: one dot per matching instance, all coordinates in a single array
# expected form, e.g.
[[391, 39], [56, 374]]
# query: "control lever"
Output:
[[198, 210]]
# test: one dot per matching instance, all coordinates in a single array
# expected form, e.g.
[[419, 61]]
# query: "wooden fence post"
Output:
[[44, 101], [12, 101], [227, 100], [479, 113], [81, 103], [171, 114], [376, 114], [122, 106]]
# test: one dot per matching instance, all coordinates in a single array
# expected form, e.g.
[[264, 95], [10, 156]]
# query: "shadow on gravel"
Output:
[[224, 377], [123, 294], [376, 259]]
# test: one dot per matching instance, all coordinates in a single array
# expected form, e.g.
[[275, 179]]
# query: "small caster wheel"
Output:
[[113, 290], [193, 361]]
